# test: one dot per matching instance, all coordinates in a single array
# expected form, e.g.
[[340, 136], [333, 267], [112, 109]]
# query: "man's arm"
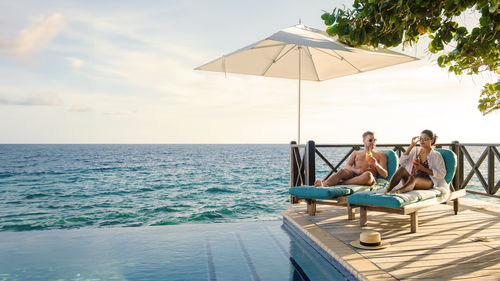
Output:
[[350, 162], [381, 166]]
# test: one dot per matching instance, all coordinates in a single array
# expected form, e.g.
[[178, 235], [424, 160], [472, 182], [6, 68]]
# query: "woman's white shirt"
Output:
[[436, 164]]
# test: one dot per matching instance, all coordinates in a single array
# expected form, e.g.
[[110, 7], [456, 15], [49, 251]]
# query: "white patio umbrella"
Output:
[[303, 53]]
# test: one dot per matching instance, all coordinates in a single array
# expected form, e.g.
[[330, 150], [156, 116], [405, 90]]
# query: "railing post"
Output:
[[309, 163], [294, 168], [459, 174], [491, 170]]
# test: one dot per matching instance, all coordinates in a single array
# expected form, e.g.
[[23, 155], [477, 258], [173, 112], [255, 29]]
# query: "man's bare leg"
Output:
[[341, 175], [401, 174], [365, 178]]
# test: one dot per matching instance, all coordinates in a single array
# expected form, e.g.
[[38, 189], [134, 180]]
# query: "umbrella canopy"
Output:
[[303, 53]]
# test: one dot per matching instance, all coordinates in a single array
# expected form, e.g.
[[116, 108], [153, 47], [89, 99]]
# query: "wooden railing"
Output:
[[303, 164]]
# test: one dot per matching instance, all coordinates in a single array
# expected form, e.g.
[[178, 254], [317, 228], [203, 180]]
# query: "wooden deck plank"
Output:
[[417, 262], [442, 249], [438, 257]]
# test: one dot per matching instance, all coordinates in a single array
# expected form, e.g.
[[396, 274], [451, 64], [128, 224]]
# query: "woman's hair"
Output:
[[431, 135]]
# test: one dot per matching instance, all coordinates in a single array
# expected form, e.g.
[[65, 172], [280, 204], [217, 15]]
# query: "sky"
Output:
[[123, 72]]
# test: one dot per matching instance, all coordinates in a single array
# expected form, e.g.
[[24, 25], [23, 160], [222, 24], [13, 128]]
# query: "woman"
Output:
[[424, 166]]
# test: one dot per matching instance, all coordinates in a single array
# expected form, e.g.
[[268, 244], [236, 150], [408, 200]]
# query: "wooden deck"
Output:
[[443, 249]]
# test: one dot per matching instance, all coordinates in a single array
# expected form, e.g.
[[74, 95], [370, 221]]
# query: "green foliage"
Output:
[[490, 98], [390, 23]]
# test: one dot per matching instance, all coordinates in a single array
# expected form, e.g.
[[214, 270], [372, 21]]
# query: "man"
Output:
[[363, 166]]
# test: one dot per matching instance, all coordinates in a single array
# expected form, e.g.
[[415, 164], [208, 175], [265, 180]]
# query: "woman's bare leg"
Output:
[[400, 174], [423, 183], [414, 183], [408, 186]]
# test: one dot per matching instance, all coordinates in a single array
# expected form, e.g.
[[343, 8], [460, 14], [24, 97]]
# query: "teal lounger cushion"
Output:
[[450, 161], [312, 192], [392, 200], [392, 163]]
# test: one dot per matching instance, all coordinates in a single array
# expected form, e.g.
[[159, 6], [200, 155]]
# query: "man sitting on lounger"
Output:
[[363, 166]]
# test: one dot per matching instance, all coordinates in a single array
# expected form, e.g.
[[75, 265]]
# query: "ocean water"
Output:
[[73, 186], [91, 186]]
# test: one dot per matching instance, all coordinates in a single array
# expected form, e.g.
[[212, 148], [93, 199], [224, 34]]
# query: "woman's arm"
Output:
[[413, 143], [437, 168], [424, 169], [406, 158]]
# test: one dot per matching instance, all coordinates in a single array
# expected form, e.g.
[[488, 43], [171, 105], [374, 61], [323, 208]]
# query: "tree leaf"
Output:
[[493, 6]]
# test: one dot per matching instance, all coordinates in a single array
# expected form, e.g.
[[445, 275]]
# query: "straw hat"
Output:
[[370, 240]]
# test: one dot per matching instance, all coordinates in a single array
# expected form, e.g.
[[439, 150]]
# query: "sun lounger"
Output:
[[409, 203], [336, 195]]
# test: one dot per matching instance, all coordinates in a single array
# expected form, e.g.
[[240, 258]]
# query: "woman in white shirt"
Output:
[[421, 168]]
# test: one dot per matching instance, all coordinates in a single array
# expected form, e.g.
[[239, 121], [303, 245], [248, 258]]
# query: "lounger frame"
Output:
[[410, 209], [311, 203]]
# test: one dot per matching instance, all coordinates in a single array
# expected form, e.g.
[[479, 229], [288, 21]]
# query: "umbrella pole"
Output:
[[298, 137]]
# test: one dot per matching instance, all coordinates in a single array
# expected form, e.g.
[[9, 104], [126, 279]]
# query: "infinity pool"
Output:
[[229, 251]]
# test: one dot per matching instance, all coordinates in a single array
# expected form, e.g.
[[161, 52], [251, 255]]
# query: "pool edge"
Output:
[[346, 260]]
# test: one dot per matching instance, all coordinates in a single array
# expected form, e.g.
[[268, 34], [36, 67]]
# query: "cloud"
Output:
[[46, 99], [75, 62], [40, 31]]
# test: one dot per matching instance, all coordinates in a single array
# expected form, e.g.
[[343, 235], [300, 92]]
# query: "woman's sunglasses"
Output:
[[424, 138]]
